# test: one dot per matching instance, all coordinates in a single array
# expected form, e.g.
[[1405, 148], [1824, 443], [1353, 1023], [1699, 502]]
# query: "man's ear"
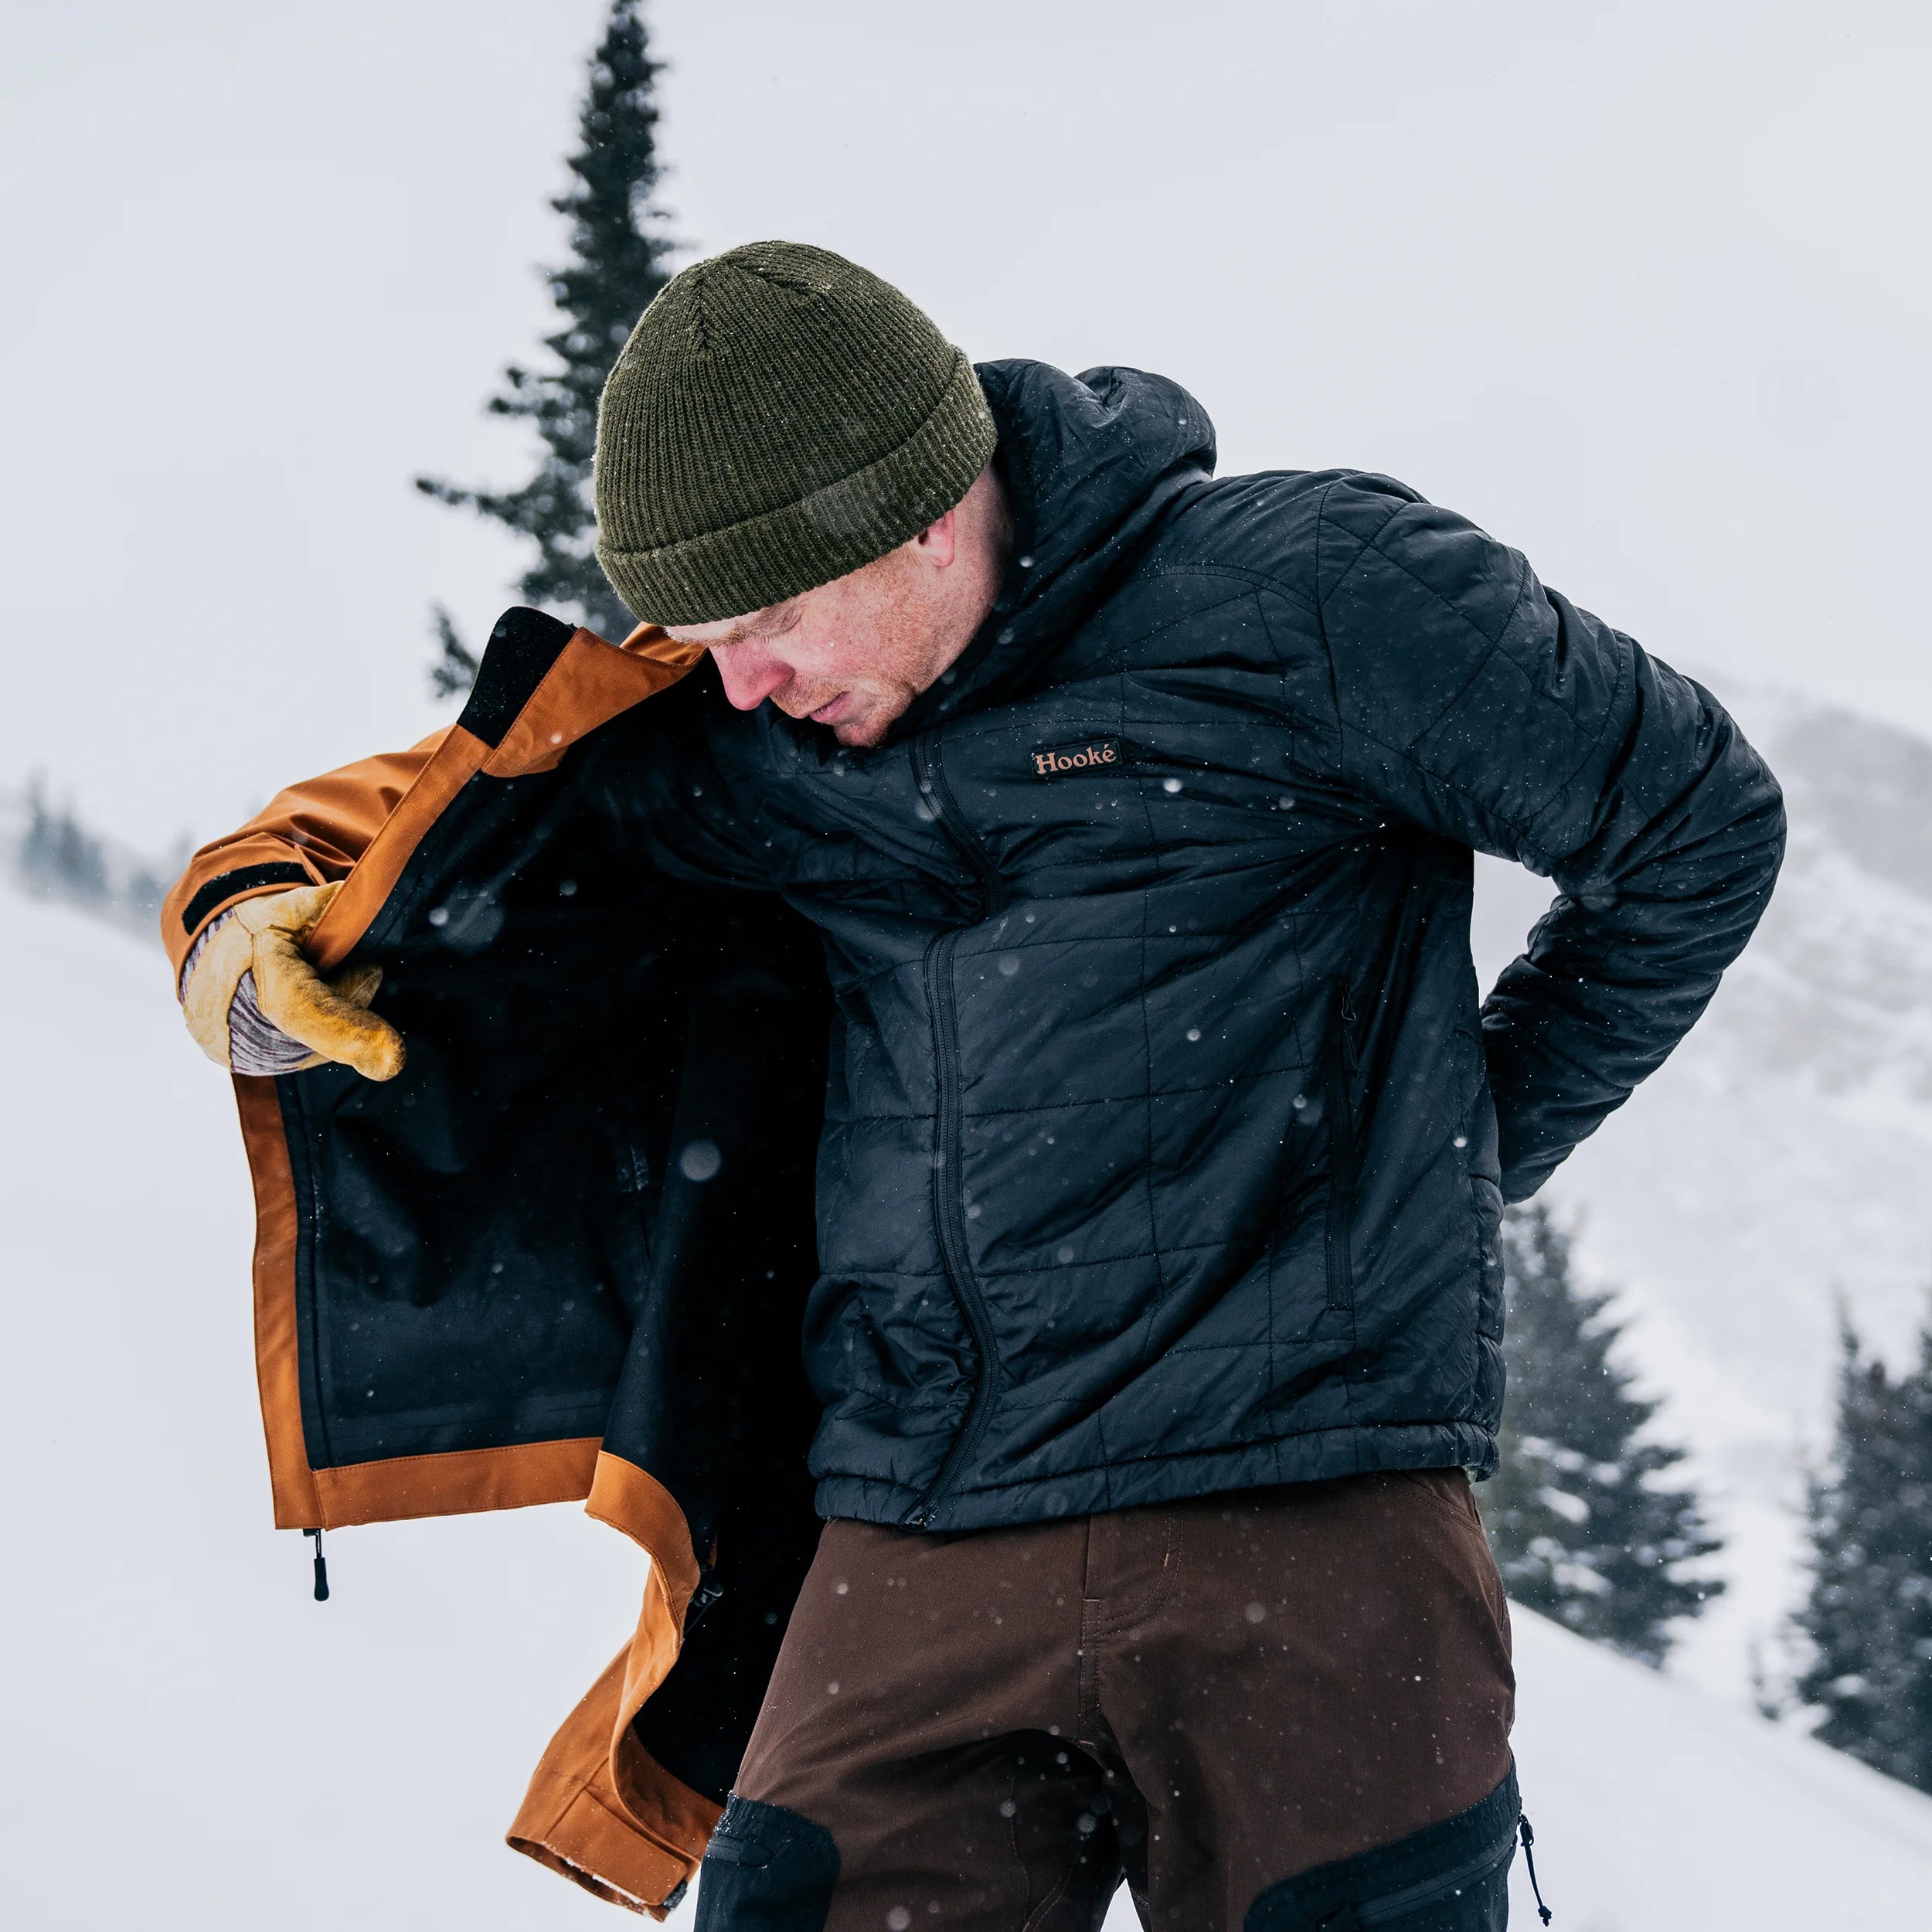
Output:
[[938, 543]]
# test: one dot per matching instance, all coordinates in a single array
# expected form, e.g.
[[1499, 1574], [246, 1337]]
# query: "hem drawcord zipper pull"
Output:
[[1529, 1864], [322, 1567]]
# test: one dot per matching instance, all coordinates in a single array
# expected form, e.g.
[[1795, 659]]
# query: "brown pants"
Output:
[[984, 1732]]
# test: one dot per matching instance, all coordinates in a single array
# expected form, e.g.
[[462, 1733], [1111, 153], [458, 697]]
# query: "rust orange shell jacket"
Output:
[[563, 1256]]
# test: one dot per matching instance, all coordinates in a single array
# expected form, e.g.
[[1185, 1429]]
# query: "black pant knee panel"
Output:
[[1451, 1877], [766, 1869]]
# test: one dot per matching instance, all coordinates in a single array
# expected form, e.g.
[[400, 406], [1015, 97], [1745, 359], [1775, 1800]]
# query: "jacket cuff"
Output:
[[573, 1819], [183, 926], [588, 1844], [243, 883]]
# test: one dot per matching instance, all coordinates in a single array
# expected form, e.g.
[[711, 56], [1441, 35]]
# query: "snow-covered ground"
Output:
[[192, 1742]]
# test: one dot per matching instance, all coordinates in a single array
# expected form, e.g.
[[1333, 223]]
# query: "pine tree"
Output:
[[56, 856], [454, 670], [618, 250], [1583, 1527], [1869, 1613]]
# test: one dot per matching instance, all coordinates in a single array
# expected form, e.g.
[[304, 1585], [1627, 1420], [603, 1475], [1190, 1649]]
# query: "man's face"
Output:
[[853, 654]]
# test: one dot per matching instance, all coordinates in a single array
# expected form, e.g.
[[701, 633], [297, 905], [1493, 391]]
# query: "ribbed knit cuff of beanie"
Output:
[[779, 418]]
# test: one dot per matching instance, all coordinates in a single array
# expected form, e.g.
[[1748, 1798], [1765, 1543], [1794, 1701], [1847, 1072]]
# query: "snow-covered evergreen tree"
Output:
[[454, 670], [58, 855], [618, 248], [54, 856], [1869, 1613], [1584, 1524]]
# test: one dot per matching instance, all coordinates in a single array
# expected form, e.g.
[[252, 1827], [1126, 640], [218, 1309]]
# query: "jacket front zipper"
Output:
[[949, 1205], [1342, 1080]]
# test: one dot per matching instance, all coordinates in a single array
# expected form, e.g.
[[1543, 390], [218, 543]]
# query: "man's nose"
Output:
[[750, 675]]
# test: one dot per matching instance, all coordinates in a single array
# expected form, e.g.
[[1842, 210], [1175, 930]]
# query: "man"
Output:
[[1159, 1309]]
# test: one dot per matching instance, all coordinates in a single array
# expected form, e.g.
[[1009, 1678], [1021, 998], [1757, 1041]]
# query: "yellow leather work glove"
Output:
[[265, 937]]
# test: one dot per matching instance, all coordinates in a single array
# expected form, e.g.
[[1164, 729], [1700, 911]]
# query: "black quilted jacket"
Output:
[[1166, 1136]]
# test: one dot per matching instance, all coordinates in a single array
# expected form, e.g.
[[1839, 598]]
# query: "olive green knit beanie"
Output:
[[778, 418]]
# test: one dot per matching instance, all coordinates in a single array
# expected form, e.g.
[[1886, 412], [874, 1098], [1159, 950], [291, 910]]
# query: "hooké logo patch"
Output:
[[1063, 761]]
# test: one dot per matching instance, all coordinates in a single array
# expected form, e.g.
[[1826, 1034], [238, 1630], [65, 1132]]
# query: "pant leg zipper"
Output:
[[1399, 1905]]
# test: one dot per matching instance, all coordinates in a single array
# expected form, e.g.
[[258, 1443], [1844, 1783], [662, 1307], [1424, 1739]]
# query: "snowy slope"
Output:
[[192, 1742], [1659, 1807], [1784, 1154]]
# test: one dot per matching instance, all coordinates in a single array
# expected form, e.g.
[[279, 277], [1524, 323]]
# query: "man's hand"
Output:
[[265, 937]]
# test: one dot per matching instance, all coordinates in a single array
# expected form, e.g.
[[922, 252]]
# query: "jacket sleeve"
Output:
[[1482, 707], [306, 836]]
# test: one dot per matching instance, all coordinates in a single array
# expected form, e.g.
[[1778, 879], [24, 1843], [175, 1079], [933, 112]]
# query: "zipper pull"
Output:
[[1346, 1026], [1529, 1863], [708, 1592], [322, 1567]]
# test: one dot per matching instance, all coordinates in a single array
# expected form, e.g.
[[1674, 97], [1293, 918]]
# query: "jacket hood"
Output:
[[1092, 465]]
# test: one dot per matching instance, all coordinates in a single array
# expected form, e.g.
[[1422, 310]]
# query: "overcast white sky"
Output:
[[1643, 288]]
